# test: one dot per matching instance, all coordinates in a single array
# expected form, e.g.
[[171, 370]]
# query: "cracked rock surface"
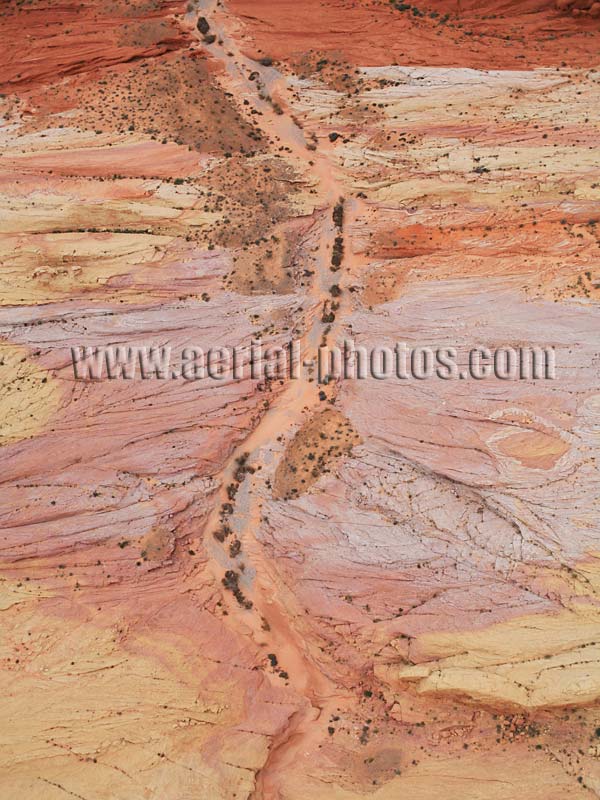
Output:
[[278, 589]]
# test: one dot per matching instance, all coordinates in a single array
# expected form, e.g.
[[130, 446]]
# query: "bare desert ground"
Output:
[[272, 588]]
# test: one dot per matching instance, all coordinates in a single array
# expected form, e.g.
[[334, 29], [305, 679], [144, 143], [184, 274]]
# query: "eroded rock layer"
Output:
[[281, 588]]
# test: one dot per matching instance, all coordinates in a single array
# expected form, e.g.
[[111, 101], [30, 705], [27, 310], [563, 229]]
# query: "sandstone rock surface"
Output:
[[281, 589]]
